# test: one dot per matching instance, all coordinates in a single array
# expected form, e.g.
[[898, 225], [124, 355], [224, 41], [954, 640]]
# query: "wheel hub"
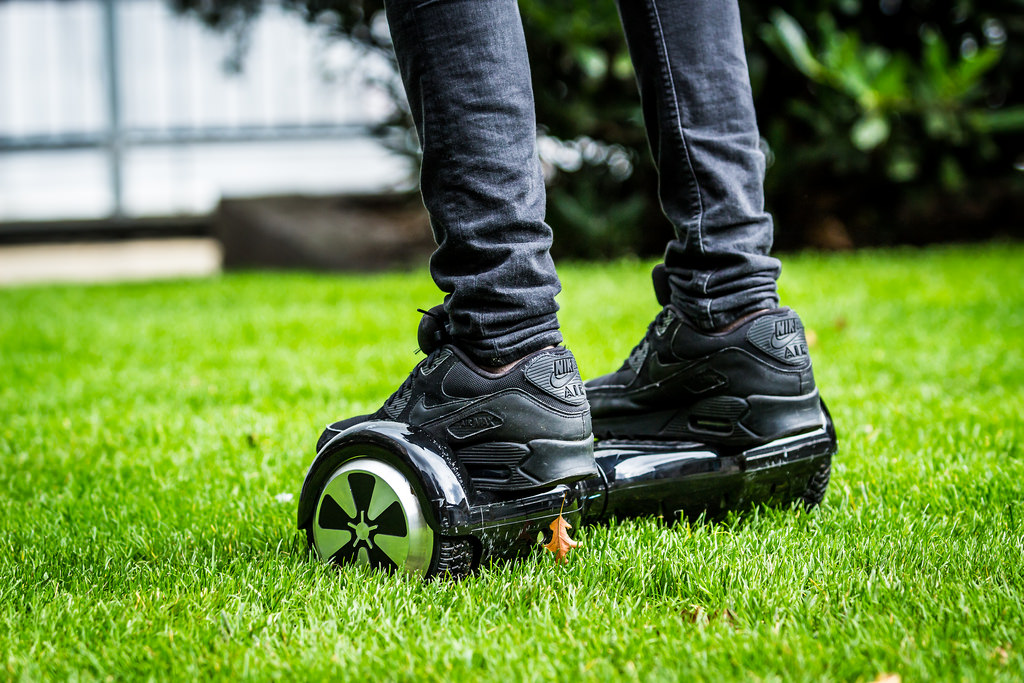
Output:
[[368, 513], [363, 529]]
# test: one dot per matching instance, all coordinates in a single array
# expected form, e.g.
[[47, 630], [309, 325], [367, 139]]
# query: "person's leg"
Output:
[[467, 76], [721, 364], [525, 425], [699, 113]]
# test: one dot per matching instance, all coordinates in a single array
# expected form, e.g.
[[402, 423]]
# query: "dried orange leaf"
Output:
[[560, 543]]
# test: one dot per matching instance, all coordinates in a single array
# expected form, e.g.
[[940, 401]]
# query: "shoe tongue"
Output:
[[662, 290], [433, 330]]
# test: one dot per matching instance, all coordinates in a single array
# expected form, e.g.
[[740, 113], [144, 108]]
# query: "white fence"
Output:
[[123, 108]]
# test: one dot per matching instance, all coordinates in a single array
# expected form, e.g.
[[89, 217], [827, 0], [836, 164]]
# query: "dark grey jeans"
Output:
[[465, 69]]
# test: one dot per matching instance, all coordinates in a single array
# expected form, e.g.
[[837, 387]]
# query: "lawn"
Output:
[[148, 432]]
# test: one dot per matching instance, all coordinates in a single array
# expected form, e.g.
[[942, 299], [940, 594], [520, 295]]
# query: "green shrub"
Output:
[[898, 121], [900, 118]]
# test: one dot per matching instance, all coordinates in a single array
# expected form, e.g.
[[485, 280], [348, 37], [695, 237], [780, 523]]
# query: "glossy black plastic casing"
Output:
[[501, 528], [665, 479], [670, 480]]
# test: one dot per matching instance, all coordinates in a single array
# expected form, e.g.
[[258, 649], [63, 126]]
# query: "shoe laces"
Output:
[[432, 332], [637, 356], [405, 387]]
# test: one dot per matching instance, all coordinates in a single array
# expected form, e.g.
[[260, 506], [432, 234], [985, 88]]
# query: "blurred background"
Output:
[[142, 138]]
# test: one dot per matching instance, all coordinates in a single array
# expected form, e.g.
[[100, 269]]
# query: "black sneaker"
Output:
[[526, 428], [748, 384]]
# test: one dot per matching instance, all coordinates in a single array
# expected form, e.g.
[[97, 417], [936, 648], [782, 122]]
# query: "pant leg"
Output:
[[699, 114], [465, 69]]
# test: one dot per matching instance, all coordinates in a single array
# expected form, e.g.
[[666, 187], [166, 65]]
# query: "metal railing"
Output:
[[141, 76]]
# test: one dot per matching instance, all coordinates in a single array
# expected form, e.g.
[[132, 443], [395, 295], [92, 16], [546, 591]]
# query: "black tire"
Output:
[[817, 486], [454, 559]]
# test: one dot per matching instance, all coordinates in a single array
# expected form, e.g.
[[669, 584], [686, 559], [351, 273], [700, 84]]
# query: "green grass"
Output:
[[147, 428]]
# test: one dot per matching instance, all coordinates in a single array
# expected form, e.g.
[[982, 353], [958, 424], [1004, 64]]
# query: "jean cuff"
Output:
[[708, 317], [510, 346]]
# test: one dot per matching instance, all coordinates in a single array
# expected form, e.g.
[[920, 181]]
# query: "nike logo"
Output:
[[659, 371], [555, 374], [785, 332], [421, 413], [783, 342], [780, 337], [563, 372], [559, 383]]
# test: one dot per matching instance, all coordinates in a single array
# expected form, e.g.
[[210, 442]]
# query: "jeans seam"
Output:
[[671, 82], [428, 114], [709, 316]]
